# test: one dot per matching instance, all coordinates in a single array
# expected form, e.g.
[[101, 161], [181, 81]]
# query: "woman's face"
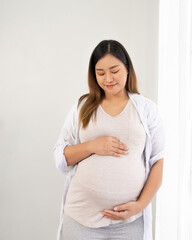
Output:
[[111, 74]]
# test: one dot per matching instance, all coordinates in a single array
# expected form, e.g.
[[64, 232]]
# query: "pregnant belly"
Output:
[[112, 175], [84, 204]]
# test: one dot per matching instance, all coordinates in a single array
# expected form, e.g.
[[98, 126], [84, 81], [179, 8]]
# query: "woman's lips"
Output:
[[111, 86]]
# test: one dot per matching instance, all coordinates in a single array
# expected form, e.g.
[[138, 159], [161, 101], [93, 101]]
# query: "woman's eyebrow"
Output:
[[99, 69]]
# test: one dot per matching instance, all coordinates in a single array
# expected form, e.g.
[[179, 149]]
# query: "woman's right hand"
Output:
[[108, 146]]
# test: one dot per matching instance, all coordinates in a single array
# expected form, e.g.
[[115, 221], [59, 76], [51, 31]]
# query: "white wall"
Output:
[[45, 48]]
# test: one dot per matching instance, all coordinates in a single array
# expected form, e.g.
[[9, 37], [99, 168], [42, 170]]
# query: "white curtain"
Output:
[[173, 200]]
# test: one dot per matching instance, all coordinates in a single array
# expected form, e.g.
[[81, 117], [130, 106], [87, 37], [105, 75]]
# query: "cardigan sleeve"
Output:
[[157, 133], [66, 137]]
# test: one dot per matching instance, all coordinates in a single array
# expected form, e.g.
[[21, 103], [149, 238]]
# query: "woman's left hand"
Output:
[[123, 211]]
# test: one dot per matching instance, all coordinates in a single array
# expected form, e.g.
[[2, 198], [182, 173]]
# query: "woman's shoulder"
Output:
[[81, 100], [148, 107], [141, 99], [151, 110], [149, 102]]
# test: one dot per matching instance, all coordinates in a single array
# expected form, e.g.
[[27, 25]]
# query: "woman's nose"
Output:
[[109, 78]]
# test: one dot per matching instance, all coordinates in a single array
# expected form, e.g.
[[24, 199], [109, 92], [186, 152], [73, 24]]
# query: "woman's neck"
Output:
[[115, 99]]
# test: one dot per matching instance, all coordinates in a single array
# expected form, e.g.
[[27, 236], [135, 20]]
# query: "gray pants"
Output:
[[72, 230]]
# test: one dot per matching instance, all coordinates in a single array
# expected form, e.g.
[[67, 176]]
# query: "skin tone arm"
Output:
[[152, 185], [76, 153], [108, 145]]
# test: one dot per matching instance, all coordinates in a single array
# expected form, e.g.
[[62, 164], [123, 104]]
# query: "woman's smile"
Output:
[[111, 86]]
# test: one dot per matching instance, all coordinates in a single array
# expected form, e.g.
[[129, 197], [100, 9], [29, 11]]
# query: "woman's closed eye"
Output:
[[112, 72]]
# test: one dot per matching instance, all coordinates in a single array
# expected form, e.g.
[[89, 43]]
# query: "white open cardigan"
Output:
[[154, 148]]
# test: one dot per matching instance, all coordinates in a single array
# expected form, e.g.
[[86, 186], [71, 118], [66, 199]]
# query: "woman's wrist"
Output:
[[90, 146], [141, 205]]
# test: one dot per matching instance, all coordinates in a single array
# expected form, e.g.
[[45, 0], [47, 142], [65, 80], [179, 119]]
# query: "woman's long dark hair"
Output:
[[96, 93]]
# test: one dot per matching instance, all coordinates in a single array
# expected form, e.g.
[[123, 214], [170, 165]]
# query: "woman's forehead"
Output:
[[108, 62], [111, 67]]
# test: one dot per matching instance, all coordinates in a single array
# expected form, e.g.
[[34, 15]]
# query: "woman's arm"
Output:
[[76, 153], [157, 133], [107, 145], [152, 184], [66, 137]]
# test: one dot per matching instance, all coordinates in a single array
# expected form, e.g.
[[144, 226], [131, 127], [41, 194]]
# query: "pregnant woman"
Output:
[[111, 148]]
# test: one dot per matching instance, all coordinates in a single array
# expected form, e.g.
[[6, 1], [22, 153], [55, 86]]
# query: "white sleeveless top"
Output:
[[103, 182]]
